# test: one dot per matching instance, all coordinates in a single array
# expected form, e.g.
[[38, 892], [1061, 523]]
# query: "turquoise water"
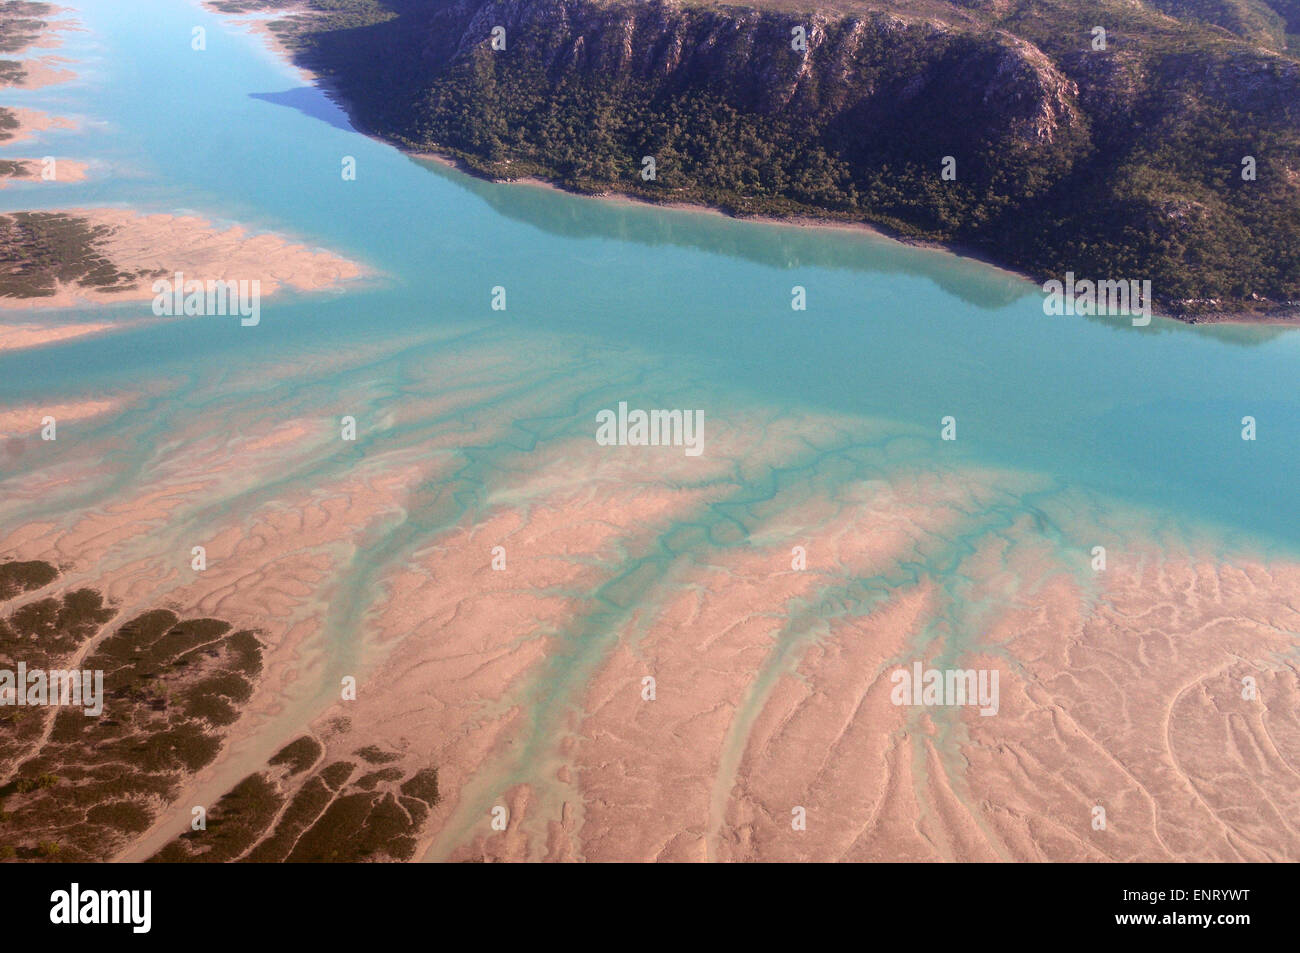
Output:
[[646, 302], [1070, 430]]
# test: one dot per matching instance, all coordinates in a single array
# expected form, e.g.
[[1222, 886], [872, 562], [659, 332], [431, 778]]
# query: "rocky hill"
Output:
[[1168, 150]]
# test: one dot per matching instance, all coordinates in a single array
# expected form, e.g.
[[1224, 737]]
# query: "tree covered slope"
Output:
[[1125, 162]]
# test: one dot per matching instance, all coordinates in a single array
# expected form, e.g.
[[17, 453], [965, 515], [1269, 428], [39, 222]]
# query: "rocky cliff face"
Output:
[[998, 85]]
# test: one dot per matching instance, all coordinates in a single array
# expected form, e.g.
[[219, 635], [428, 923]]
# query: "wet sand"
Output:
[[142, 248], [17, 419], [33, 170], [30, 123], [500, 586], [522, 687], [37, 70], [18, 337]]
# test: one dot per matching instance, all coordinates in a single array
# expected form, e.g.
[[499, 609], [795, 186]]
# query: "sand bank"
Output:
[[123, 252], [33, 170], [28, 419], [18, 124], [18, 337], [27, 32]]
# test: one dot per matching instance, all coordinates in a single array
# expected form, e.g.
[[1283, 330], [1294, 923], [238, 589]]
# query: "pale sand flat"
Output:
[[65, 171], [198, 249]]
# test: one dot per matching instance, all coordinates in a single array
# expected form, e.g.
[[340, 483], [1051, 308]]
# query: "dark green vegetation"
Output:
[[16, 168], [1271, 24], [19, 577], [8, 120], [77, 787], [1124, 163], [41, 250], [21, 24], [263, 819], [298, 755]]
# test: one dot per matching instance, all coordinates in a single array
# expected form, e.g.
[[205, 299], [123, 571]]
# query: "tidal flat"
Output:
[[366, 583]]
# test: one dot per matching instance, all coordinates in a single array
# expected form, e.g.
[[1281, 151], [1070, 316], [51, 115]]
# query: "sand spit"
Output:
[[18, 337], [258, 22], [118, 254], [18, 124], [43, 71], [198, 247], [14, 420], [34, 170]]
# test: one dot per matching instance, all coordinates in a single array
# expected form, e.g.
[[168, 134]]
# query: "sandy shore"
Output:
[[164, 244], [135, 244], [31, 122], [260, 27], [200, 247], [18, 337], [46, 69], [797, 221], [1281, 318], [32, 170]]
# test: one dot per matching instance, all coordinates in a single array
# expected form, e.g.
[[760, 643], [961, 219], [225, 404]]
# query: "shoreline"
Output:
[[452, 161], [141, 247], [41, 69], [136, 246], [476, 689], [29, 124], [32, 170], [1282, 316]]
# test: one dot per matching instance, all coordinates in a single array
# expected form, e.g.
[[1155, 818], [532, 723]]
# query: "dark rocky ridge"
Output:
[[1123, 163]]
